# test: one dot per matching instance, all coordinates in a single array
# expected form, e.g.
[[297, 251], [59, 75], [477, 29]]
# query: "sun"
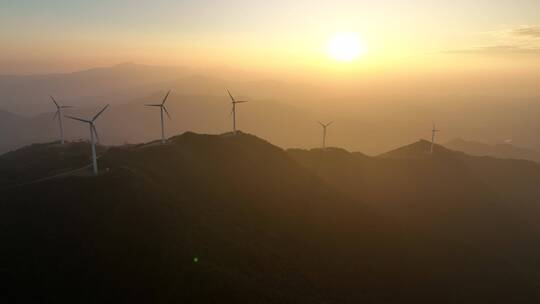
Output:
[[346, 47]]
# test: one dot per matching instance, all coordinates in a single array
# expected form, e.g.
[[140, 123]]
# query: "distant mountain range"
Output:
[[134, 123], [233, 218], [505, 150], [281, 110], [197, 102], [123, 83], [28, 94]]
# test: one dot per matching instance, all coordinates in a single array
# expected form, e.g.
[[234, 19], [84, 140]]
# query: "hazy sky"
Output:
[[279, 35]]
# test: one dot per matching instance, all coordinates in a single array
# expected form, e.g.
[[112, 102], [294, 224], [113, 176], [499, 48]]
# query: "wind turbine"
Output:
[[93, 132], [433, 132], [324, 133], [59, 115], [162, 108], [233, 111]]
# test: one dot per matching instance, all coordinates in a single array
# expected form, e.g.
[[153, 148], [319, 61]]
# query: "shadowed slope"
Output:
[[461, 220], [39, 161], [258, 223], [232, 218]]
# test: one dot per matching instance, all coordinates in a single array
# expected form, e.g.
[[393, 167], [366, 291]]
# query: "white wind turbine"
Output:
[[93, 132], [433, 133], [324, 126], [162, 109], [233, 111], [59, 115]]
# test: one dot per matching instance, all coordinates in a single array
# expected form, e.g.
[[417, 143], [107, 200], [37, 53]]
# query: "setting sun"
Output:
[[346, 47]]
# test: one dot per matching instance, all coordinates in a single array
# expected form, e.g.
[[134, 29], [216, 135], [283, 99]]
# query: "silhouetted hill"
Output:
[[462, 217], [416, 176], [39, 161], [232, 218], [257, 222], [419, 149], [499, 150], [513, 179]]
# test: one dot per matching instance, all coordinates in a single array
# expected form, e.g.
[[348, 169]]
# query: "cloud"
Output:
[[519, 41], [529, 31], [499, 50]]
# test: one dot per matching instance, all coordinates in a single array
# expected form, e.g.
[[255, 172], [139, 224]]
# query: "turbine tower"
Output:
[[324, 126], [162, 109], [59, 115], [233, 111], [93, 132], [433, 133]]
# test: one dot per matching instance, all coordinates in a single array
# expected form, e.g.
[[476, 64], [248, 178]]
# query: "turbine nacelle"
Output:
[[93, 132], [58, 114], [233, 110], [162, 105], [324, 126], [162, 108], [91, 122], [233, 100]]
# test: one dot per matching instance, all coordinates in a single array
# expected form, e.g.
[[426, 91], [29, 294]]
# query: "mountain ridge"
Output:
[[232, 217], [505, 150]]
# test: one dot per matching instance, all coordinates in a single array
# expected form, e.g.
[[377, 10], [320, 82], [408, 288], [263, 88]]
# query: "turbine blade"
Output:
[[166, 96], [55, 103], [240, 101], [230, 95], [55, 114], [79, 119], [153, 105], [328, 124], [167, 112], [67, 107], [321, 124], [99, 113]]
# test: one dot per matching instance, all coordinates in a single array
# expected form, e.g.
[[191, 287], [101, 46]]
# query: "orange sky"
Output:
[[416, 38]]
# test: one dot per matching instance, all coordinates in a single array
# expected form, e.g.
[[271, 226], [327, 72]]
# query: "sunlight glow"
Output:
[[346, 47]]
